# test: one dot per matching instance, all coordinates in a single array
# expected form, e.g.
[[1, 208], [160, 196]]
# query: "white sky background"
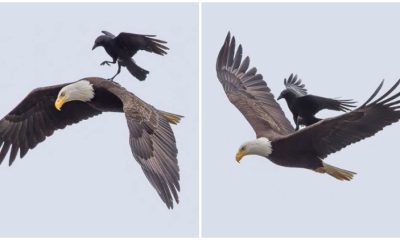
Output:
[[83, 180], [339, 50]]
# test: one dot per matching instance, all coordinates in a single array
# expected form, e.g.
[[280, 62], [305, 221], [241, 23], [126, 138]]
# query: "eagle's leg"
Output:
[[118, 71]]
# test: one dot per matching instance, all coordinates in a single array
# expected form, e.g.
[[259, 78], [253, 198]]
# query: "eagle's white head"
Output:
[[78, 91], [260, 146]]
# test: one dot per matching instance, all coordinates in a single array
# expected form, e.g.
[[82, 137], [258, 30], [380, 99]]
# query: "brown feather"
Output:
[[249, 93], [151, 138]]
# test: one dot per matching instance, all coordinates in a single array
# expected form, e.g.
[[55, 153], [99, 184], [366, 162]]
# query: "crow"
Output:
[[304, 106], [124, 46]]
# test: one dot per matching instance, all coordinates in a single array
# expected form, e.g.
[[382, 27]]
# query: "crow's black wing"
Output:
[[131, 43], [294, 85], [312, 104], [108, 34]]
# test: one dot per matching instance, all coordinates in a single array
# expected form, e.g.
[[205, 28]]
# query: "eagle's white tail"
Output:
[[338, 173]]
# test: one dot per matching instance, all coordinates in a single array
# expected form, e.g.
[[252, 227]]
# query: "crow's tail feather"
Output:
[[135, 70]]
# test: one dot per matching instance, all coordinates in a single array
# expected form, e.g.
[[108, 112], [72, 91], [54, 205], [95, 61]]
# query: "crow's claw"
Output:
[[104, 63]]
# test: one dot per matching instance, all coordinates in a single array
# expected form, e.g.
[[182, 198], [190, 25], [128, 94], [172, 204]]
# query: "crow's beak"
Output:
[[94, 46], [280, 96]]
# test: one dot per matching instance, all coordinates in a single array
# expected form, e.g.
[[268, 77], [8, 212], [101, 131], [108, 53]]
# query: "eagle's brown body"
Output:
[[151, 138]]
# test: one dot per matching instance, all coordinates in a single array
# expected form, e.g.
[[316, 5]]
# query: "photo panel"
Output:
[[84, 180], [338, 50]]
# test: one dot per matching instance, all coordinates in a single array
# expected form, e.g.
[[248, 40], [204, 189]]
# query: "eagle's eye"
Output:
[[62, 94], [242, 148]]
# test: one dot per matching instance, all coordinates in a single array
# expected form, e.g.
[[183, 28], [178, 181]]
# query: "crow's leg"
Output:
[[118, 71], [108, 62], [296, 121]]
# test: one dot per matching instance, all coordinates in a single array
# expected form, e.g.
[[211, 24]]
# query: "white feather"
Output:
[[79, 91], [260, 146]]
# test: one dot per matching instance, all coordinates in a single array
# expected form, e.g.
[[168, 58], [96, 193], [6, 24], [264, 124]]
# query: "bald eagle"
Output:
[[276, 138], [304, 106], [47, 109]]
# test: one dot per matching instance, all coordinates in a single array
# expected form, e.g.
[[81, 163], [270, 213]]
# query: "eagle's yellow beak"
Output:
[[59, 103], [239, 155]]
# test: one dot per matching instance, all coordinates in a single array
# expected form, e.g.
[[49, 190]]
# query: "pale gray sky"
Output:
[[339, 50], [83, 180]]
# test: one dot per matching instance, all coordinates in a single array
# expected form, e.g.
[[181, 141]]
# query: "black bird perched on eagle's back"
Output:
[[276, 138], [304, 106], [124, 46]]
